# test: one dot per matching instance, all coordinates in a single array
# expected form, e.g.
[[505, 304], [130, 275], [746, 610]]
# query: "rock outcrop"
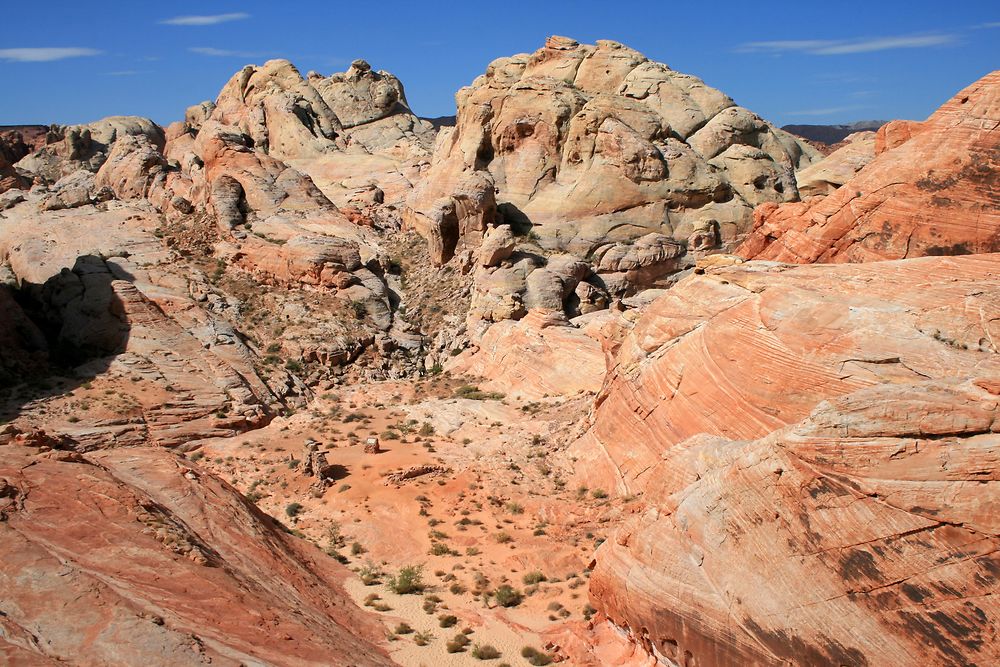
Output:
[[593, 145], [932, 189], [863, 535], [12, 149], [740, 351], [352, 132], [162, 564], [76, 147], [540, 355], [825, 176], [824, 424]]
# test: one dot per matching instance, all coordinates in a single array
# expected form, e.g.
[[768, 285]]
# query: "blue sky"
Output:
[[792, 62]]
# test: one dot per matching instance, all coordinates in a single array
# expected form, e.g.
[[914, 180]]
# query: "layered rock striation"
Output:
[[931, 190]]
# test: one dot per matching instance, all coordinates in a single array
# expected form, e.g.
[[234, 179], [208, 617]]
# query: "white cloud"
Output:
[[222, 53], [206, 20], [828, 47], [993, 24], [45, 54]]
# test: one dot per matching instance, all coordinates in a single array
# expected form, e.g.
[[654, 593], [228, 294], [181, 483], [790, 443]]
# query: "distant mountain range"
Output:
[[831, 134]]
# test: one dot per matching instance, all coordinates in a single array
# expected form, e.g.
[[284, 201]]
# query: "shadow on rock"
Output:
[[58, 335]]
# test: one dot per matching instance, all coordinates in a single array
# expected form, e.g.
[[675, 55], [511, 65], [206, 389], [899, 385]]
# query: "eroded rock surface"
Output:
[[932, 189], [162, 563], [593, 145], [863, 535], [834, 425], [743, 350]]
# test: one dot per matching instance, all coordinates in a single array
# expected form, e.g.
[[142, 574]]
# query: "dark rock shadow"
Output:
[[60, 334]]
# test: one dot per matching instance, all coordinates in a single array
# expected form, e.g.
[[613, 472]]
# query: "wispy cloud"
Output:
[[992, 24], [223, 53], [837, 47], [123, 72], [829, 111], [45, 54], [206, 20]]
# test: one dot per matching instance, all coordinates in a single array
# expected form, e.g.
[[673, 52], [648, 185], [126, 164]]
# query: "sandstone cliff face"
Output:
[[597, 144], [931, 190], [863, 535], [814, 450], [137, 557], [741, 351]]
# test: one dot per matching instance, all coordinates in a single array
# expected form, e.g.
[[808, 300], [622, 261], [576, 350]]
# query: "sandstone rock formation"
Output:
[[825, 176], [823, 424], [740, 351], [931, 190], [87, 146], [12, 149], [592, 145], [162, 564], [540, 355], [863, 535], [351, 131]]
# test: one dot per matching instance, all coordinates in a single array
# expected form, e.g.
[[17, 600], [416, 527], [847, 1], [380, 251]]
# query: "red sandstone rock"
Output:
[[931, 190], [816, 465], [539, 355], [161, 564], [864, 535], [743, 350]]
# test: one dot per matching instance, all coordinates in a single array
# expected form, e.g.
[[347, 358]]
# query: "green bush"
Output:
[[507, 596], [532, 578], [293, 509], [408, 580]]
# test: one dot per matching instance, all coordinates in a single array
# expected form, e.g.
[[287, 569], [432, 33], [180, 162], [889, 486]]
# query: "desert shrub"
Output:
[[515, 508], [403, 629], [293, 509], [447, 620], [599, 493], [370, 573], [426, 430], [532, 578], [534, 656], [473, 392], [408, 580], [440, 549], [507, 596], [485, 652], [422, 638]]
